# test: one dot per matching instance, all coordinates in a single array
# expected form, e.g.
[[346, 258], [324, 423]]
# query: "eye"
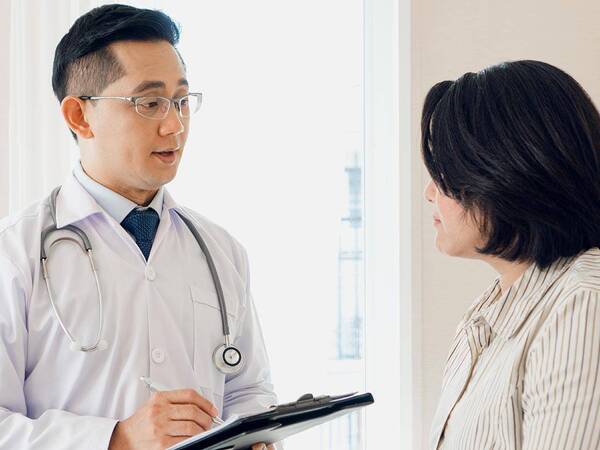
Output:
[[149, 103]]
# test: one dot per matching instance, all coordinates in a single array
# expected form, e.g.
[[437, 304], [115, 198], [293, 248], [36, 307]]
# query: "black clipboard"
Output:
[[277, 423]]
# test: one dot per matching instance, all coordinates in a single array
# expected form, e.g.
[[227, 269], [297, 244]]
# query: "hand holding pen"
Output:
[[167, 418], [155, 387]]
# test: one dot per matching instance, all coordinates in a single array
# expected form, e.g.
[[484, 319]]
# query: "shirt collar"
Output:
[[506, 312], [75, 203], [114, 204]]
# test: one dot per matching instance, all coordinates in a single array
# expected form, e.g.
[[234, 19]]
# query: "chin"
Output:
[[156, 182], [163, 176], [447, 248], [165, 180]]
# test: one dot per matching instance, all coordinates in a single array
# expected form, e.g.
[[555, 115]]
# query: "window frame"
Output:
[[393, 267]]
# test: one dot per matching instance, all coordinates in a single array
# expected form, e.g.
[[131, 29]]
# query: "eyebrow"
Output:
[[145, 85]]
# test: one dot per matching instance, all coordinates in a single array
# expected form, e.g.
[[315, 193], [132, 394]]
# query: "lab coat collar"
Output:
[[169, 203], [74, 203]]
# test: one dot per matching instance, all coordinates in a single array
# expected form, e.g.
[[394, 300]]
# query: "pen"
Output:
[[155, 387]]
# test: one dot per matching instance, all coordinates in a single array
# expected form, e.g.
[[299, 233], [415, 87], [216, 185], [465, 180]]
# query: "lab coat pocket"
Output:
[[213, 397], [208, 334]]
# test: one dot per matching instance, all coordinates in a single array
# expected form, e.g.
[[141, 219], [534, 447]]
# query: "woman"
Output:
[[514, 156]]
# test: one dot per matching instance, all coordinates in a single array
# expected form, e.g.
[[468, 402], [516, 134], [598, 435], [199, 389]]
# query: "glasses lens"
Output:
[[190, 104], [152, 107]]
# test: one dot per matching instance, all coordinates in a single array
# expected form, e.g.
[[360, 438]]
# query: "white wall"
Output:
[[4, 92], [450, 38]]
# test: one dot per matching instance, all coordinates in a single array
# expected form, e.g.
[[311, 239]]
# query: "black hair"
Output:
[[83, 61], [518, 146]]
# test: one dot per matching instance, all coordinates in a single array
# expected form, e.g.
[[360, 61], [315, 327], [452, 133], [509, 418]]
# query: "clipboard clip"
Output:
[[310, 398], [323, 398]]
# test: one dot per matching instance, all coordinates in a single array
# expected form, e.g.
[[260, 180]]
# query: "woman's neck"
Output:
[[509, 271]]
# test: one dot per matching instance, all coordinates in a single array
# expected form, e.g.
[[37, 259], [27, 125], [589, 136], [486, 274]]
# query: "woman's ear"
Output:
[[73, 111]]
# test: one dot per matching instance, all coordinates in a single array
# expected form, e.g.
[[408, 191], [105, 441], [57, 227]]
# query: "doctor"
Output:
[[72, 352]]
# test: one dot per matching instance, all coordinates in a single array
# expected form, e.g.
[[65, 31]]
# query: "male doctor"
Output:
[[123, 93]]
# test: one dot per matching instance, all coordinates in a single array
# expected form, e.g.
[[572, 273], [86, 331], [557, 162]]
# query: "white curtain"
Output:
[[41, 150]]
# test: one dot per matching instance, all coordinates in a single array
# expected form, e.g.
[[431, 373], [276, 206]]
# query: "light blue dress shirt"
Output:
[[117, 206]]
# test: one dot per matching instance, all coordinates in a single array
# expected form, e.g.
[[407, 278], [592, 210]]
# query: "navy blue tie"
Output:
[[142, 224]]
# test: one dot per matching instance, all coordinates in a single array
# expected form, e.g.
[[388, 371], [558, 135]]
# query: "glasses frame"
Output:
[[134, 100]]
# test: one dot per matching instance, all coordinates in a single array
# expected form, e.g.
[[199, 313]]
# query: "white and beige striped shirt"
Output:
[[524, 368]]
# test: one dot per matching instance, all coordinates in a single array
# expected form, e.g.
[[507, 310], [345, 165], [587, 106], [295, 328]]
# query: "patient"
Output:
[[514, 156]]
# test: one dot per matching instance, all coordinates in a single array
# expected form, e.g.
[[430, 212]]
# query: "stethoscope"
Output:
[[226, 357]]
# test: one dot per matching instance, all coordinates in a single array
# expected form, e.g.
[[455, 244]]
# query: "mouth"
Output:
[[436, 220], [167, 156]]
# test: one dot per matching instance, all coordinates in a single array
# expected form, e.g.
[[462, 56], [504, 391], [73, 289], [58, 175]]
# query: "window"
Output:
[[295, 152], [276, 157]]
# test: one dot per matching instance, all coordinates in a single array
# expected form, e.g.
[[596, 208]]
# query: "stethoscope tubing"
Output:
[[213, 273], [87, 248]]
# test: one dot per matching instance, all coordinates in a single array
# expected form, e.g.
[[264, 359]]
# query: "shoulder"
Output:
[[21, 220], [584, 273], [20, 241], [573, 307], [579, 284], [21, 231]]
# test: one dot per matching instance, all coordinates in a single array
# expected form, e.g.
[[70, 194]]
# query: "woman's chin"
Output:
[[451, 249]]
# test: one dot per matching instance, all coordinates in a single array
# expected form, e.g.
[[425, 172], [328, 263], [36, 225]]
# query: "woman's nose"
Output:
[[430, 191]]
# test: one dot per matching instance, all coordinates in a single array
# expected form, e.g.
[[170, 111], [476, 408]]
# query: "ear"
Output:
[[73, 111]]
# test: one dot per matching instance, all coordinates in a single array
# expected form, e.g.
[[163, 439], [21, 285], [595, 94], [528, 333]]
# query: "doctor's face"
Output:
[[131, 154], [457, 232]]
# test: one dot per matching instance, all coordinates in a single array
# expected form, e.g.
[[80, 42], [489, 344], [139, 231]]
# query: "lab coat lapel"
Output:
[[165, 222], [75, 204]]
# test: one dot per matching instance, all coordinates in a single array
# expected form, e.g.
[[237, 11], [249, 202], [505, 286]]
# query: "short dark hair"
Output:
[[518, 144], [83, 61]]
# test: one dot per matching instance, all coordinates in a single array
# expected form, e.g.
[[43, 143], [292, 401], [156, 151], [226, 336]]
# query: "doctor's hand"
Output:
[[167, 418]]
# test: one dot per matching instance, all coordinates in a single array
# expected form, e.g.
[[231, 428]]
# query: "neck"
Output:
[[509, 271], [138, 196]]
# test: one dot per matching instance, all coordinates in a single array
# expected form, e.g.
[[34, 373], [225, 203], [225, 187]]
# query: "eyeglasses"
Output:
[[157, 108]]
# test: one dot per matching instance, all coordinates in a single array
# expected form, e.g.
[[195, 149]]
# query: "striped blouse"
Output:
[[524, 368]]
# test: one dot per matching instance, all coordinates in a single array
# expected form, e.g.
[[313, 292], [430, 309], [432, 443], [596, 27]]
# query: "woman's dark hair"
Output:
[[518, 146], [83, 62]]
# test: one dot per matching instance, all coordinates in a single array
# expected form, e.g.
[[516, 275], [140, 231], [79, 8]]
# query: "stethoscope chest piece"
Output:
[[228, 359]]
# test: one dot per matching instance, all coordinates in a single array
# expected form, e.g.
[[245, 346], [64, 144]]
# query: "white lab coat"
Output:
[[161, 320]]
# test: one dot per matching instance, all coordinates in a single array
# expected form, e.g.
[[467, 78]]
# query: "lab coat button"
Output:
[[150, 273], [158, 355]]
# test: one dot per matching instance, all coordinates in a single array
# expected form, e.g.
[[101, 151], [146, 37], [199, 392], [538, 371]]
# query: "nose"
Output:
[[430, 191], [173, 123]]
